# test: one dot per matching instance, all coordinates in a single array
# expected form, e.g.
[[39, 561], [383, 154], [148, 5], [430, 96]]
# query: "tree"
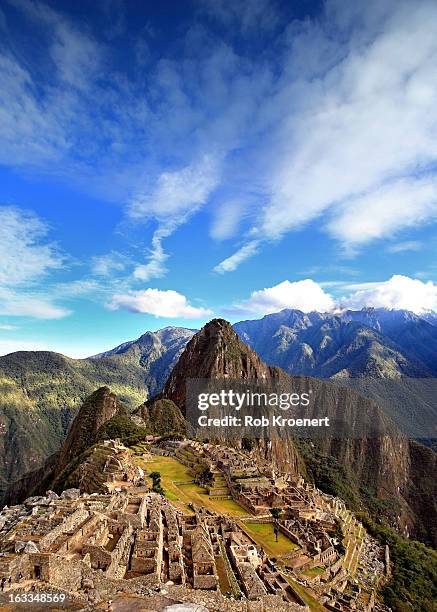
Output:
[[205, 476], [276, 513], [276, 530], [156, 483]]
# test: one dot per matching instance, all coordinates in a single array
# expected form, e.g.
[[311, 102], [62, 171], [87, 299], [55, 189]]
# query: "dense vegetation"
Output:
[[122, 427], [339, 480], [40, 394], [156, 483], [162, 417], [413, 585]]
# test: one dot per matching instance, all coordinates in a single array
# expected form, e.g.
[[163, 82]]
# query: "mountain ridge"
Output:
[[40, 392]]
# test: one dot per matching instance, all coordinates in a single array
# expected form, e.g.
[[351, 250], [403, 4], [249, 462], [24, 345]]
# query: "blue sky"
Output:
[[161, 165]]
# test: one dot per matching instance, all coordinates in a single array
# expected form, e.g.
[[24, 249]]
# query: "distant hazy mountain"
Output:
[[376, 471], [386, 473], [415, 336], [431, 317], [155, 352], [376, 351], [369, 342]]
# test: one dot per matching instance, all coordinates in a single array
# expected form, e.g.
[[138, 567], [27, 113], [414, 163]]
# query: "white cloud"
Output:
[[383, 212], [336, 118], [176, 193], [106, 265], [25, 255], [25, 259], [158, 303], [399, 292], [231, 263], [227, 219], [305, 295], [175, 197], [27, 304], [7, 327], [352, 141], [402, 247], [155, 266]]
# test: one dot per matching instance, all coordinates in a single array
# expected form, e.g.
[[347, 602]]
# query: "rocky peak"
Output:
[[215, 351], [98, 408]]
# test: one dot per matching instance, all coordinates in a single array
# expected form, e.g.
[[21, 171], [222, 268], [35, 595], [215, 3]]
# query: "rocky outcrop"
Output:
[[101, 406], [41, 392], [156, 353]]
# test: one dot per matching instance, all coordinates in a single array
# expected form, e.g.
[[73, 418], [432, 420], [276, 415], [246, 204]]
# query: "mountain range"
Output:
[[386, 474], [40, 392]]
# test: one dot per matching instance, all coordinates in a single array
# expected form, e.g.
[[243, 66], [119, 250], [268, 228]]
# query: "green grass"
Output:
[[226, 506], [264, 535], [169, 468], [172, 472], [313, 571]]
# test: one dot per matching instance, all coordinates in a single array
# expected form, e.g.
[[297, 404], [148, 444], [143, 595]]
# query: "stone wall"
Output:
[[76, 538], [117, 554], [68, 524], [66, 574]]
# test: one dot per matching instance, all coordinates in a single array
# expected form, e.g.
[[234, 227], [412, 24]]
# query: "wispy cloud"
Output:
[[232, 262], [173, 199], [352, 139], [403, 247], [29, 304], [26, 258], [25, 254], [334, 120], [106, 265], [7, 327]]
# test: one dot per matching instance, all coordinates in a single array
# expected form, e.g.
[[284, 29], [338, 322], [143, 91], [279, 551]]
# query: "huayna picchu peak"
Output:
[[215, 351]]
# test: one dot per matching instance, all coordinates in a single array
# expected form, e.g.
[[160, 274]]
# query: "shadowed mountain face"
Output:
[[97, 409], [40, 392], [156, 353], [431, 317], [375, 351], [214, 352], [384, 466]]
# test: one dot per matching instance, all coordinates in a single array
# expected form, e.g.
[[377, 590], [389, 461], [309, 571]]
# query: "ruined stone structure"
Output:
[[132, 539]]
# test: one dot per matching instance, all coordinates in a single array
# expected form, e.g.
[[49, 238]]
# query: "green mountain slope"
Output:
[[40, 393]]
